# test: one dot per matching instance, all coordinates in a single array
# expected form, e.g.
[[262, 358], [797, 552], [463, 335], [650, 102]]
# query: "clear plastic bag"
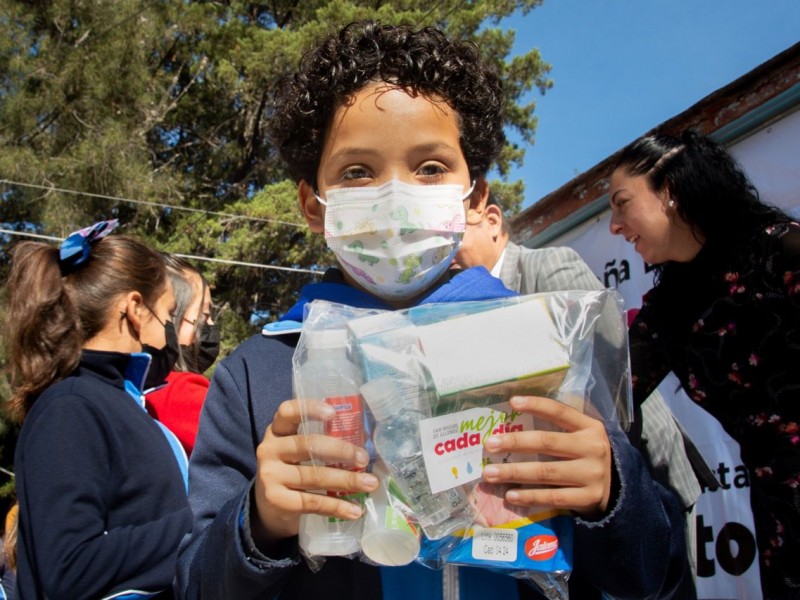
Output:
[[432, 383]]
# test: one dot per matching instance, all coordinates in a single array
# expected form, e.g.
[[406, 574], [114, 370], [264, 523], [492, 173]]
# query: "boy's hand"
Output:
[[580, 480], [282, 483]]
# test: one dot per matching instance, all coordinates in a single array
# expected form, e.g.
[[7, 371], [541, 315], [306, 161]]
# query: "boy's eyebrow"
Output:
[[434, 147], [420, 148], [352, 151]]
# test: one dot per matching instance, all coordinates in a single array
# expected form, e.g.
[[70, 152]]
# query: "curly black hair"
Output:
[[421, 61]]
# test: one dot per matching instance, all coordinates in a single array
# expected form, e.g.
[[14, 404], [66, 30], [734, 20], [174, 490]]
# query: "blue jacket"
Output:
[[102, 500], [637, 550]]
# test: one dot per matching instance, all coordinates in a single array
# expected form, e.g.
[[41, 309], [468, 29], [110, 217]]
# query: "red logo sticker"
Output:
[[541, 547]]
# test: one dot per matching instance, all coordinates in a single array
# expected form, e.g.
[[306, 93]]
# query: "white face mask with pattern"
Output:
[[395, 239]]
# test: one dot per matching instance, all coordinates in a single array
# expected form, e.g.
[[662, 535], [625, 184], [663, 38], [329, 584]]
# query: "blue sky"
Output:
[[621, 67]]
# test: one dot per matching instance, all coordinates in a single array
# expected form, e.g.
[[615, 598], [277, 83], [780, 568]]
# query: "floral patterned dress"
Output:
[[728, 325]]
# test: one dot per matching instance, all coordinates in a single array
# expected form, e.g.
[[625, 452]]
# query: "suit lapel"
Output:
[[510, 271]]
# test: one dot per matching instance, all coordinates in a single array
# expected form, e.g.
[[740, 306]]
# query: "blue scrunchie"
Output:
[[75, 250]]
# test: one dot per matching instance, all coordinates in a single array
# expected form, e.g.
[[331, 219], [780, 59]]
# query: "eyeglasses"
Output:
[[202, 318]]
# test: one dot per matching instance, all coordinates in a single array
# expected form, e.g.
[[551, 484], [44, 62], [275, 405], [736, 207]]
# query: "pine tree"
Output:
[[146, 103]]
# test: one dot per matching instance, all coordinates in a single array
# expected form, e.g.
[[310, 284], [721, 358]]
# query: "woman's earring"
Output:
[[671, 203]]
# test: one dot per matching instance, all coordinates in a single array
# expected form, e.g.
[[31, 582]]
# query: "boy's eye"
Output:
[[355, 173], [431, 169]]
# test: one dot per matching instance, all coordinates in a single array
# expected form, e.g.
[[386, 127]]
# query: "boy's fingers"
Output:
[[310, 477], [545, 472], [293, 449], [568, 498], [569, 473], [556, 412], [289, 485], [551, 443], [329, 506], [288, 504], [290, 414]]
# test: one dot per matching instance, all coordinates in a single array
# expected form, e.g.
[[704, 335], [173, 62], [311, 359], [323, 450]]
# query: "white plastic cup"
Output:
[[389, 538]]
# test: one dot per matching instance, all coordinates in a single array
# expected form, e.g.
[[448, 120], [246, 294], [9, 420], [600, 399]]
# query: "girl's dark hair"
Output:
[[711, 191], [184, 290], [421, 62], [51, 316]]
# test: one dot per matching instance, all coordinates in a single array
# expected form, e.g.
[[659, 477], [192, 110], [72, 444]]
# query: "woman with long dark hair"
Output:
[[724, 316]]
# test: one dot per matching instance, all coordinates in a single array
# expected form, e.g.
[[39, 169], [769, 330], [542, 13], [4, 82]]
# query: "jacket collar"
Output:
[[123, 370], [470, 284]]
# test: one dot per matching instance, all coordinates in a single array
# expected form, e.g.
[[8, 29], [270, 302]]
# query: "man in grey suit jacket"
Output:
[[663, 444], [525, 270]]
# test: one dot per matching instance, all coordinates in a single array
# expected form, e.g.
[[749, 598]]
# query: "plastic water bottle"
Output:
[[397, 441], [329, 376]]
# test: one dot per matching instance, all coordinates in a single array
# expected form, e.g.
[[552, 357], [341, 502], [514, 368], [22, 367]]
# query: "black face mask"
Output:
[[201, 355], [163, 359]]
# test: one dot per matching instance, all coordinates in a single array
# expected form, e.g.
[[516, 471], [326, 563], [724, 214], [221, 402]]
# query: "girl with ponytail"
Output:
[[101, 485]]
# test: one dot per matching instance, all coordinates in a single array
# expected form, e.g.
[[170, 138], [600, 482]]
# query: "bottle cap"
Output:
[[326, 339], [382, 397]]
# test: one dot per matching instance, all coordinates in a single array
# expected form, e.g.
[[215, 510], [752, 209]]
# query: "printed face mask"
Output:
[[396, 239]]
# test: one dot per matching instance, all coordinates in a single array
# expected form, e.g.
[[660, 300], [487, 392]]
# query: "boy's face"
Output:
[[382, 134], [385, 134]]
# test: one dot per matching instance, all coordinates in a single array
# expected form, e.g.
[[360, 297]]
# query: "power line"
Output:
[[246, 264], [50, 188], [33, 235], [204, 258]]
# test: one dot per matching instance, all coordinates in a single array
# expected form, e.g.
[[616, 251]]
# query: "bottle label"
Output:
[[452, 444], [347, 425]]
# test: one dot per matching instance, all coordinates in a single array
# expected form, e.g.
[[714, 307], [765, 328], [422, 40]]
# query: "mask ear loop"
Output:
[[152, 312], [469, 192], [320, 200]]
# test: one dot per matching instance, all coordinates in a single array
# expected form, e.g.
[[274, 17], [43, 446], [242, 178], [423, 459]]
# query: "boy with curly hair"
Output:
[[396, 119]]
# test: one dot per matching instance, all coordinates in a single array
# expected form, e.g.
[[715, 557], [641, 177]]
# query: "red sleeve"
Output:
[[178, 404]]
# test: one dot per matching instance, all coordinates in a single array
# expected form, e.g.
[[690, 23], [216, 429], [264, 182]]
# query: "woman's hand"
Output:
[[282, 484], [579, 478]]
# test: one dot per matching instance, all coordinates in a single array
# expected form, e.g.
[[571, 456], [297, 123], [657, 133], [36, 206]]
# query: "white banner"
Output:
[[771, 158]]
